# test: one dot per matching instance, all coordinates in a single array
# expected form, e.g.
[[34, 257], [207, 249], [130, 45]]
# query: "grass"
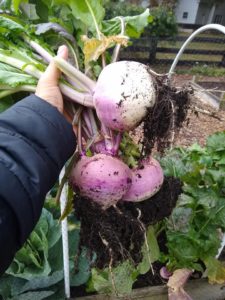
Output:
[[190, 57], [217, 34], [202, 70], [192, 45]]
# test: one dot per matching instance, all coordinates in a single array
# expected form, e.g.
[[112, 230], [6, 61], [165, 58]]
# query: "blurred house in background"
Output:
[[200, 12], [191, 12]]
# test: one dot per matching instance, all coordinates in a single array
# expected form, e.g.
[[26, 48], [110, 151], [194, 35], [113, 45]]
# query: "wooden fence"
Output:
[[157, 51]]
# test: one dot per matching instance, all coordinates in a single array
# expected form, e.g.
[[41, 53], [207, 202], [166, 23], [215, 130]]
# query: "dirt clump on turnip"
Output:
[[119, 227], [164, 120]]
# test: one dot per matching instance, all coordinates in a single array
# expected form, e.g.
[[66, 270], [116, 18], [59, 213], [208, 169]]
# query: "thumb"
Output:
[[52, 73]]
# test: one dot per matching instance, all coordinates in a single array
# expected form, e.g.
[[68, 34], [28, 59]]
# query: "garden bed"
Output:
[[197, 289]]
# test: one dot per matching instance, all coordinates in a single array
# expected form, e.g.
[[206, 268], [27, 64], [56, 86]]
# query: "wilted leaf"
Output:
[[215, 270], [93, 47]]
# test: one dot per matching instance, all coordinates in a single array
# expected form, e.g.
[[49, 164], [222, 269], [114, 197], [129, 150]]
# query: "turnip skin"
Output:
[[122, 95], [147, 180], [101, 178]]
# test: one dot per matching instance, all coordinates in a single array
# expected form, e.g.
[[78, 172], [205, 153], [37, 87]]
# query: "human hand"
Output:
[[47, 87]]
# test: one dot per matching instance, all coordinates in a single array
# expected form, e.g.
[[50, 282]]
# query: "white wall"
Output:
[[220, 10], [189, 6]]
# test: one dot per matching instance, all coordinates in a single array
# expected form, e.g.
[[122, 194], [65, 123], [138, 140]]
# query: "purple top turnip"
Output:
[[147, 179], [123, 92], [101, 178]]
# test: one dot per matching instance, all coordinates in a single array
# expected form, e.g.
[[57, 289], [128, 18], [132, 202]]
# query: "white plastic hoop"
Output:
[[191, 37], [65, 243]]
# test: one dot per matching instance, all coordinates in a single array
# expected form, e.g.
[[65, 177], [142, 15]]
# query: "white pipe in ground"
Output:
[[64, 229], [191, 37]]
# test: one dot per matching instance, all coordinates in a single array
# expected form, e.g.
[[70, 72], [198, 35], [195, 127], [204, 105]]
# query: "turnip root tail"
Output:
[[166, 117]]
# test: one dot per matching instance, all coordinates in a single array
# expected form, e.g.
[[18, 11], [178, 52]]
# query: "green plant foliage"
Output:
[[121, 8], [195, 225], [163, 22], [119, 280], [37, 270], [134, 24], [203, 70]]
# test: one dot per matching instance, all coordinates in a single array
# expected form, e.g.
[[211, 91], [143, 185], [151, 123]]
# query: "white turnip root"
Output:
[[122, 95], [101, 178], [147, 179]]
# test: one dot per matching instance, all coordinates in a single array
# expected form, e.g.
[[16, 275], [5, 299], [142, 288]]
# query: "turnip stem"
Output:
[[117, 141], [103, 60], [9, 91], [48, 57], [107, 137], [79, 137], [78, 97], [39, 49], [77, 116], [72, 94], [92, 120], [21, 65], [73, 73], [87, 122], [116, 50], [86, 134]]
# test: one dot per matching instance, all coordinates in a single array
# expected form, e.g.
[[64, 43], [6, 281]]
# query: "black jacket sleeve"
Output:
[[35, 142]]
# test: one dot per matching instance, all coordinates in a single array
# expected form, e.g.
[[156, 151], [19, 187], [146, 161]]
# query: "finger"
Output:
[[52, 73]]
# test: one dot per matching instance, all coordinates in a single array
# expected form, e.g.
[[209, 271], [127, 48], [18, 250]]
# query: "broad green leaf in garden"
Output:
[[89, 12], [172, 164], [33, 295], [16, 3], [29, 10], [11, 77], [11, 23], [5, 286], [43, 282], [185, 200], [117, 281], [216, 142], [150, 251], [99, 281], [84, 262], [180, 219], [134, 25], [32, 260]]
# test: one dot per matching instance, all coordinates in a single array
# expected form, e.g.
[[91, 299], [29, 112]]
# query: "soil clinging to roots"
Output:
[[117, 234], [166, 117]]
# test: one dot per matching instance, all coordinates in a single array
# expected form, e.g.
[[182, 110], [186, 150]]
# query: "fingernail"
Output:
[[61, 49]]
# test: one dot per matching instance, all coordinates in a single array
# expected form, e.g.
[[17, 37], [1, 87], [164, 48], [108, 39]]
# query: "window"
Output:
[[185, 15], [218, 19]]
